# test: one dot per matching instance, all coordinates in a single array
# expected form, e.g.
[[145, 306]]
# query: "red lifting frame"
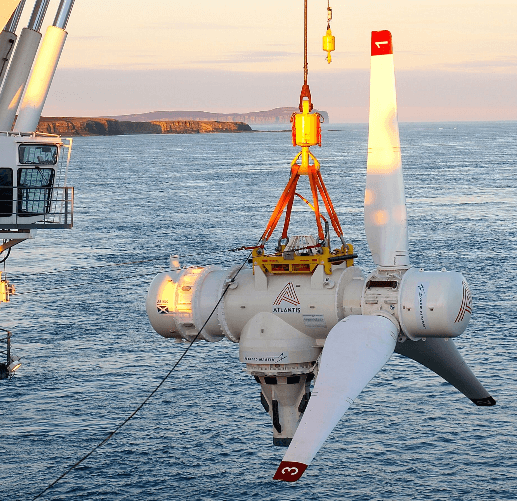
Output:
[[287, 199]]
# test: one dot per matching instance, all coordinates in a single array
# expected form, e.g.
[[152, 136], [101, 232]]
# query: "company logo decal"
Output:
[[287, 295], [421, 302], [267, 359], [314, 321], [162, 308], [466, 303]]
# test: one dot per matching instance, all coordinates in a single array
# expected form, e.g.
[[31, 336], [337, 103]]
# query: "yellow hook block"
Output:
[[329, 44]]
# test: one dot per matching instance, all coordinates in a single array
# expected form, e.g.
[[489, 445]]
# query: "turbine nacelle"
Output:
[[422, 304]]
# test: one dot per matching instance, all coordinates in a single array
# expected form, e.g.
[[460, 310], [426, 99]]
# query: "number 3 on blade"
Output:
[[291, 469], [380, 43]]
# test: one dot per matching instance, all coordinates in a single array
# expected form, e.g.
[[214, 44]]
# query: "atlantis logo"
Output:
[[287, 295]]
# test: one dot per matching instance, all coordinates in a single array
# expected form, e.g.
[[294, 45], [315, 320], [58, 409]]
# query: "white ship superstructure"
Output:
[[33, 166]]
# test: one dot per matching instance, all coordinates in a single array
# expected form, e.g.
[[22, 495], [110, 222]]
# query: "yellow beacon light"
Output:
[[306, 127]]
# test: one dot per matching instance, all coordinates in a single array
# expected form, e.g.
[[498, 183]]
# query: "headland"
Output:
[[274, 116], [75, 126]]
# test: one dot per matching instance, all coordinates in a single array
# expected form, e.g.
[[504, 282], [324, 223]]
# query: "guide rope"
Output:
[[92, 267], [127, 263], [61, 287], [99, 445]]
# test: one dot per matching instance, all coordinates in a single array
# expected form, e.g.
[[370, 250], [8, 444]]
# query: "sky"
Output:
[[454, 60]]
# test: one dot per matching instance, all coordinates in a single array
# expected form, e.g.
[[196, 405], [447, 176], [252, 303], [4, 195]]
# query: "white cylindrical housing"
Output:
[[41, 78], [17, 75], [434, 304], [179, 302]]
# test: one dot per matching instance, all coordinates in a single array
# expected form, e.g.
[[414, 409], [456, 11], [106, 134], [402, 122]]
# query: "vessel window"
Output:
[[34, 191], [6, 192], [38, 154]]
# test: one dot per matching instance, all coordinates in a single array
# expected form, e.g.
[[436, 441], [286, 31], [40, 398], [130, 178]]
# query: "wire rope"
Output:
[[305, 64], [61, 287], [126, 263], [100, 444]]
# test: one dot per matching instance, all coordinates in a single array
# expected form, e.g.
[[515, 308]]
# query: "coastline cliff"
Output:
[[274, 116], [74, 126]]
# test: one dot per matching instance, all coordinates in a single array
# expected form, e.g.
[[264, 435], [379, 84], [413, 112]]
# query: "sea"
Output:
[[91, 358]]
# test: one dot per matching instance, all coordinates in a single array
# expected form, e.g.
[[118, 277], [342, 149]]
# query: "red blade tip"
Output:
[[381, 43], [289, 471]]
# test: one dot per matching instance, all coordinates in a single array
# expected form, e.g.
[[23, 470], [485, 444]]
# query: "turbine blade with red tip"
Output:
[[384, 201], [355, 350]]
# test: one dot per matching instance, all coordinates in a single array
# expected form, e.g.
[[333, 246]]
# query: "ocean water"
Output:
[[90, 356]]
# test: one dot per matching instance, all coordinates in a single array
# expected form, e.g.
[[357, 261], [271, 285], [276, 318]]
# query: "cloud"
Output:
[[456, 89], [195, 26], [265, 56], [88, 38], [506, 63]]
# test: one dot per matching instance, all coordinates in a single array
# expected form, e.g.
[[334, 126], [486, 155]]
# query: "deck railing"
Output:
[[54, 208]]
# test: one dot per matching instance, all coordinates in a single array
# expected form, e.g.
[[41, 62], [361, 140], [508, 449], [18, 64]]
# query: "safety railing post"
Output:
[[66, 205]]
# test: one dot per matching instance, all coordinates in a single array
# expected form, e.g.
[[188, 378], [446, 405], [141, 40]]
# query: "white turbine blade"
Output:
[[443, 358], [384, 202], [355, 350]]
